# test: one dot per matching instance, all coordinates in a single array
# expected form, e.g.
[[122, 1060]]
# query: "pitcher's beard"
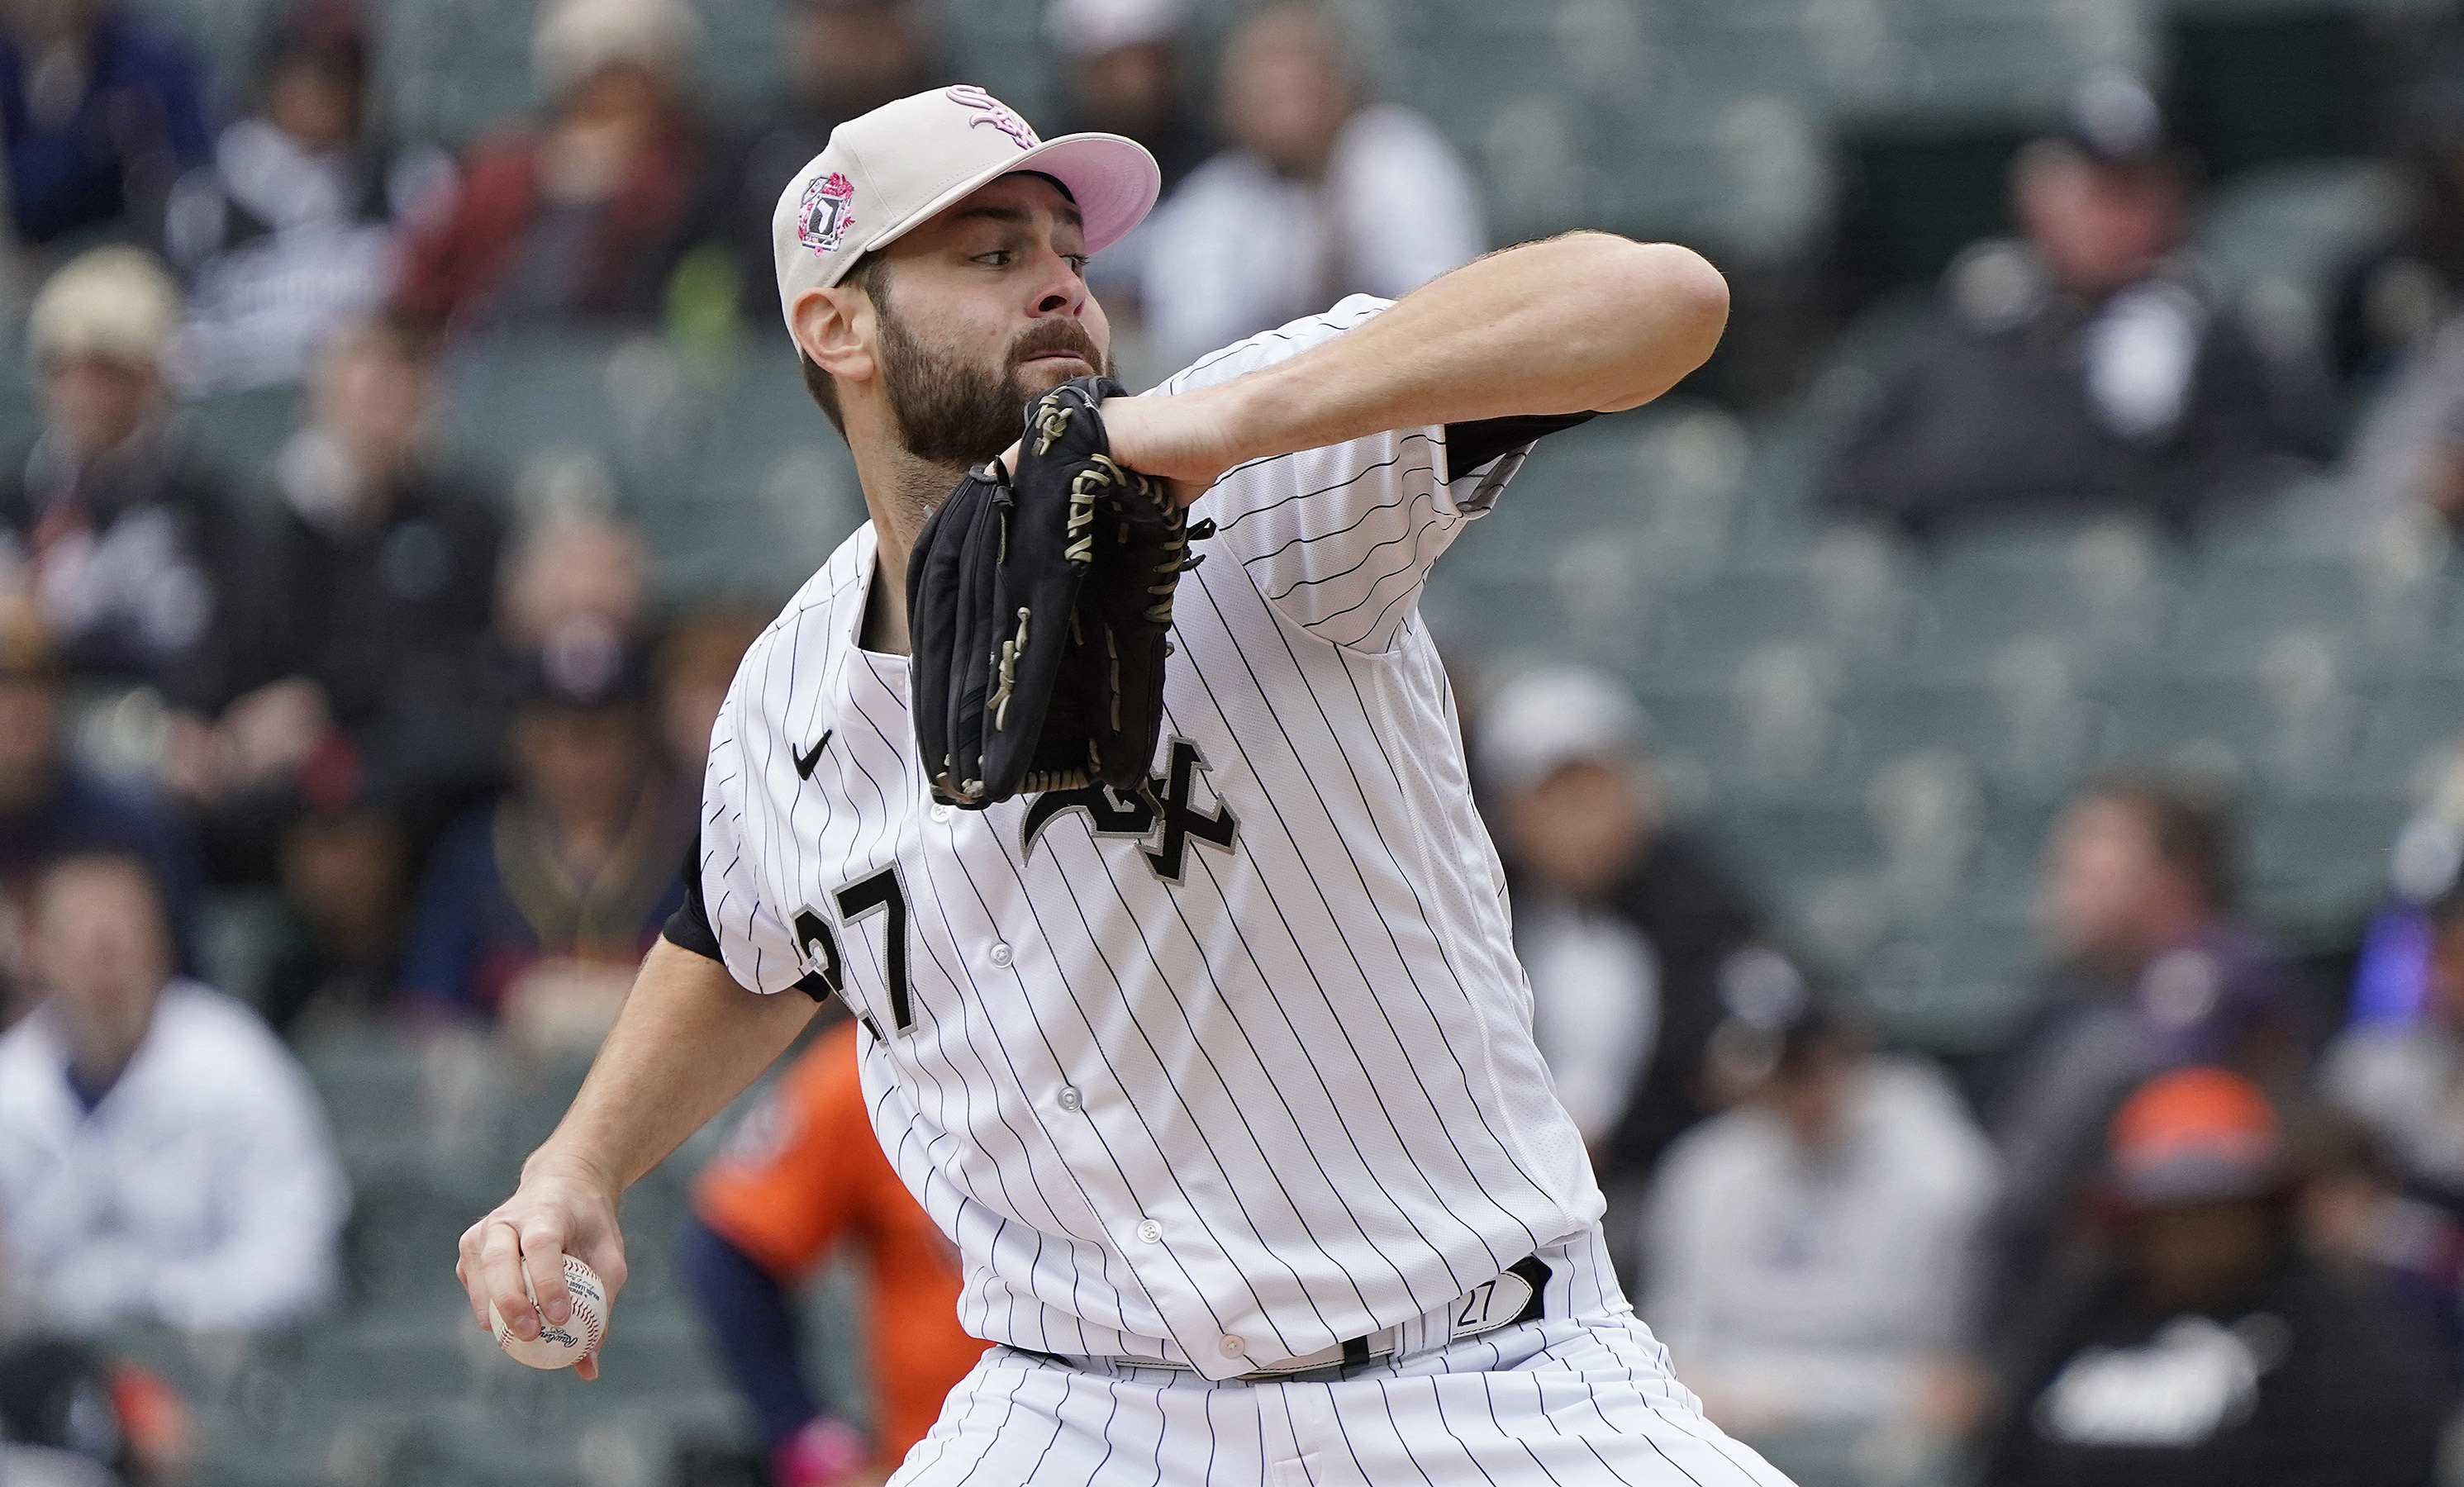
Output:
[[954, 410]]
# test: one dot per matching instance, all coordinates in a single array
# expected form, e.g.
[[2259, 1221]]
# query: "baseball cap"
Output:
[[885, 172], [1084, 29], [2194, 1135], [114, 302], [2112, 119], [1542, 721]]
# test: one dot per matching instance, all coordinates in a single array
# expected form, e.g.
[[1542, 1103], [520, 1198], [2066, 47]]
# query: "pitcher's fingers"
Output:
[[466, 1270], [500, 1278], [543, 1261], [588, 1367]]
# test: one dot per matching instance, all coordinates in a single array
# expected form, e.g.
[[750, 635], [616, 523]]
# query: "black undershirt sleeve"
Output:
[[689, 926], [1471, 446]]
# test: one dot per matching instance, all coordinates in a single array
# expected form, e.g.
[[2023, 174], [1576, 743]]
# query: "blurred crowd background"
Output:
[[1981, 764]]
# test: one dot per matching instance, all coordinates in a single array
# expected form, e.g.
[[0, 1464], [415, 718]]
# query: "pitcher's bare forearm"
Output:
[[688, 1040], [1587, 322]]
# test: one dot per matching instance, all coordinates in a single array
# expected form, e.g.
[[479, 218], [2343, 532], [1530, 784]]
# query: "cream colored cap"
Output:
[[115, 302], [886, 171]]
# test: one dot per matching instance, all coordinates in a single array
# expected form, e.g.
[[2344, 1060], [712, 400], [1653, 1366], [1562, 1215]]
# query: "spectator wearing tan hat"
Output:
[[577, 218], [126, 542], [2213, 1350]]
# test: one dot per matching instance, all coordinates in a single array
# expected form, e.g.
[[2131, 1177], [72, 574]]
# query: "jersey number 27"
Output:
[[880, 892]]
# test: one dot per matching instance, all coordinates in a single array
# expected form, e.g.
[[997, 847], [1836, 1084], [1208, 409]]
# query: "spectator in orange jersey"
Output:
[[802, 1173]]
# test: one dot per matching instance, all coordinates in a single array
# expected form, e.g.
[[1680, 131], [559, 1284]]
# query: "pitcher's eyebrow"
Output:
[[1017, 216]]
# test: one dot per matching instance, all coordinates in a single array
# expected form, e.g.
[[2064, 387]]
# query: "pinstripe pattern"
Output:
[[1255, 1082], [1584, 1399]]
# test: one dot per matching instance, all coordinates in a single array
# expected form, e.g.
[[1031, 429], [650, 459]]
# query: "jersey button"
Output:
[[1233, 1346], [1149, 1232], [1000, 952], [1069, 1098], [942, 814]]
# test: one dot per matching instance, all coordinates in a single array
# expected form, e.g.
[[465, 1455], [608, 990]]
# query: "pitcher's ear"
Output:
[[834, 327]]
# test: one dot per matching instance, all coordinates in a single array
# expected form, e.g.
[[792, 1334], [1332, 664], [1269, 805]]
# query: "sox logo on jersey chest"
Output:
[[1162, 815]]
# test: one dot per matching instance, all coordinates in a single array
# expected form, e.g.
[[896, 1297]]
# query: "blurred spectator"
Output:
[[1121, 62], [839, 59], [537, 908], [2090, 367], [695, 666], [1808, 1254], [2215, 1351], [576, 220], [289, 231], [1623, 925], [2356, 1215], [162, 1158], [357, 661], [2152, 971], [71, 1418], [2399, 288], [2405, 1080], [103, 110], [573, 566], [1322, 194], [49, 801], [802, 1173], [127, 543], [1124, 76]]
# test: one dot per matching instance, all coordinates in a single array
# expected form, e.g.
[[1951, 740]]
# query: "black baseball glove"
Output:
[[1038, 607]]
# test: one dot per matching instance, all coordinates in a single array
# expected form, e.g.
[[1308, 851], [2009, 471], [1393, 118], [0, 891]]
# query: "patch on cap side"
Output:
[[996, 112], [828, 211]]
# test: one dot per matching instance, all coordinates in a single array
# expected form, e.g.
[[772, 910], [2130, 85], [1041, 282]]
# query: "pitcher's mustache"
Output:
[[1057, 336]]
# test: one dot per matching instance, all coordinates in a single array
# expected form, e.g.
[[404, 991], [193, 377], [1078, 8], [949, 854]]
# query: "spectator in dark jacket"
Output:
[[576, 220], [369, 604], [356, 699], [2214, 1354], [2089, 367], [1624, 926], [290, 230], [48, 803], [2152, 971], [127, 542], [103, 110], [537, 908]]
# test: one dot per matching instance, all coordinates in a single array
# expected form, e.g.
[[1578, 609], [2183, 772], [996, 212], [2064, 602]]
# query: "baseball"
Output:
[[560, 1347]]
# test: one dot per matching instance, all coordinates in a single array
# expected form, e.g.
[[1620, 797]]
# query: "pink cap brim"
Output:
[[1113, 179]]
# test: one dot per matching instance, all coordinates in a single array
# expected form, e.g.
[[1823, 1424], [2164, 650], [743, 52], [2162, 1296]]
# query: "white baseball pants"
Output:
[[1582, 1397]]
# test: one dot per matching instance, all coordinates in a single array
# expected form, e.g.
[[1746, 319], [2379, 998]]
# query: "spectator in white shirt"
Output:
[[161, 1157], [1322, 194], [1806, 1255]]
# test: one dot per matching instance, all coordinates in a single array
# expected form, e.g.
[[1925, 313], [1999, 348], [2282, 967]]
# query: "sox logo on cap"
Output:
[[829, 211], [996, 114]]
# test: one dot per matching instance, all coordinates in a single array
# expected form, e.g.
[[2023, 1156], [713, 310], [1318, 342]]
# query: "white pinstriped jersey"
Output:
[[1226, 1081]]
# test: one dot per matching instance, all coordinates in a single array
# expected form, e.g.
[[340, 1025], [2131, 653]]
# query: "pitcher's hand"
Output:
[[559, 1210]]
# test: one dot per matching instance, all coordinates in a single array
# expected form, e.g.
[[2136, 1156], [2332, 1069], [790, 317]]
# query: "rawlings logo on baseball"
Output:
[[560, 1346], [827, 212], [996, 113]]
